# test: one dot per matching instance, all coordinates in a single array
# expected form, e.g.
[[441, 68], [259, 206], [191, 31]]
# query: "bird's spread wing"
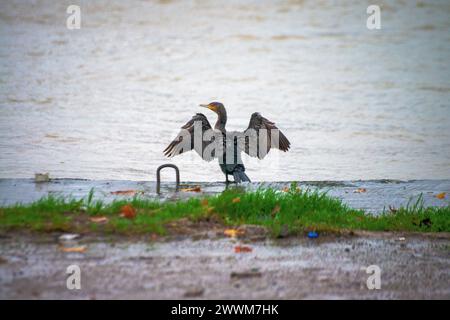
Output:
[[262, 135], [191, 137]]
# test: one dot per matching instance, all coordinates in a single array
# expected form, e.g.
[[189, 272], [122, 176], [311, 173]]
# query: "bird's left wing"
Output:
[[191, 137], [262, 135]]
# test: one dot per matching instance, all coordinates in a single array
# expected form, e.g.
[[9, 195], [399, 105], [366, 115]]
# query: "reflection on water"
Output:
[[104, 101]]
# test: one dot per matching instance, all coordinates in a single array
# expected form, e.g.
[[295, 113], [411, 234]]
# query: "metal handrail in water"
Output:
[[158, 176]]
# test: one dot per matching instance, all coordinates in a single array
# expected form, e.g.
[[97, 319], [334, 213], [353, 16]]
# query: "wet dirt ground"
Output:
[[207, 267]]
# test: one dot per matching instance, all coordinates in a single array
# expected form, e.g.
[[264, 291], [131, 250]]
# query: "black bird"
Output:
[[257, 140]]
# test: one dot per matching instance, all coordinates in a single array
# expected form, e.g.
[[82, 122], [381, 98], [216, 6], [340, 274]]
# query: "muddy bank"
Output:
[[412, 266], [377, 195]]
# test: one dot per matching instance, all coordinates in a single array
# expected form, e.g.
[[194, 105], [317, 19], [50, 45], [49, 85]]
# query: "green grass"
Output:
[[295, 211]]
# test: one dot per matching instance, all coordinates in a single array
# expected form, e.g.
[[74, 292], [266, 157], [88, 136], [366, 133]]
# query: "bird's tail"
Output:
[[240, 176]]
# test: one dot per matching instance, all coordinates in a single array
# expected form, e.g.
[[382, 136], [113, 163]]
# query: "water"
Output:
[[102, 102]]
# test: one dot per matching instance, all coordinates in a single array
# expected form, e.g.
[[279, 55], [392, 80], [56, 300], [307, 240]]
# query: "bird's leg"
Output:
[[226, 179]]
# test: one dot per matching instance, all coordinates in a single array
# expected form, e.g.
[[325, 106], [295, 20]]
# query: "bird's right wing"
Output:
[[262, 135], [192, 136]]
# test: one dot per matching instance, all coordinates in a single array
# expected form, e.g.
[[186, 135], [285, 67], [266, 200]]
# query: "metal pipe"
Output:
[[158, 176]]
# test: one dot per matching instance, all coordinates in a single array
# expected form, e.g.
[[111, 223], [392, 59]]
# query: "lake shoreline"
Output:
[[277, 212], [379, 195]]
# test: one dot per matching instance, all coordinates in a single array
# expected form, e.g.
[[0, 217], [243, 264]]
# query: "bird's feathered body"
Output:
[[231, 162], [257, 140]]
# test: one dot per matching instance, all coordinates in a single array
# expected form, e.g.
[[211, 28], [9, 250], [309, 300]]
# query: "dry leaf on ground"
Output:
[[73, 249], [193, 189], [233, 232], [153, 237], [275, 210], [440, 195], [242, 249], [126, 192], [127, 211], [102, 219]]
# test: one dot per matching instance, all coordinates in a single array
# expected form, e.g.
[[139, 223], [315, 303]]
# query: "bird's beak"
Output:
[[210, 107]]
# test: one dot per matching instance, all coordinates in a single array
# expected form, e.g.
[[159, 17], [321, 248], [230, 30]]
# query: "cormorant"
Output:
[[257, 140]]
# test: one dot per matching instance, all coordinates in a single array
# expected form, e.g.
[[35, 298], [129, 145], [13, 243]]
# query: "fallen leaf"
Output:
[[275, 210], [440, 195], [73, 249], [233, 232], [242, 249], [126, 192], [153, 237], [360, 190], [285, 189], [236, 200], [102, 219], [193, 189], [128, 211]]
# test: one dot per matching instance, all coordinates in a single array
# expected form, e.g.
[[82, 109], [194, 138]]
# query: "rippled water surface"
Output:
[[102, 102]]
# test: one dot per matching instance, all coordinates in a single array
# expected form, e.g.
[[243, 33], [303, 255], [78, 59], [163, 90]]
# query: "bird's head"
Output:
[[217, 107]]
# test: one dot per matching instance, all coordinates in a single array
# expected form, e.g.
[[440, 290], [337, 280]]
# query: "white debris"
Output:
[[69, 237]]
